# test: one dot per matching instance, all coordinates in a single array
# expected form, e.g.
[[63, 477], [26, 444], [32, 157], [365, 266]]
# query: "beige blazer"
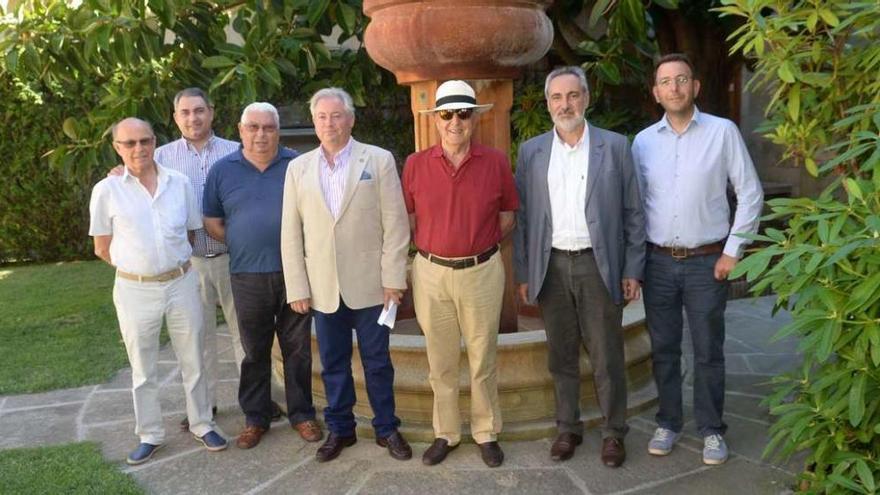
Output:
[[355, 255]]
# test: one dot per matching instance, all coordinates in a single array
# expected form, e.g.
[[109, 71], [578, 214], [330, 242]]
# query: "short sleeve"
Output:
[[212, 206], [193, 213], [100, 221], [408, 179], [509, 197]]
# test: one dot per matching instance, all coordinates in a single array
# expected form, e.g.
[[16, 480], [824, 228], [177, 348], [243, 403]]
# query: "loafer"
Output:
[[213, 441], [564, 445], [184, 423], [437, 452], [491, 453], [250, 436], [397, 446], [309, 430], [333, 447], [613, 452], [142, 453]]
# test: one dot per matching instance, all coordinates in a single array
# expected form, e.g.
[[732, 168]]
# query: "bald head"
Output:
[[129, 123], [134, 142]]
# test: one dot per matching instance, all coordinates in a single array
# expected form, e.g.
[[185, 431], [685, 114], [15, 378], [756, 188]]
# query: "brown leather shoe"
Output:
[[309, 430], [250, 436], [492, 454], [563, 447], [397, 446], [613, 452], [333, 447], [437, 452]]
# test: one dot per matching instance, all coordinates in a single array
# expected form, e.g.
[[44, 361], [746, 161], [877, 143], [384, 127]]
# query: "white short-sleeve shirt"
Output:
[[149, 232]]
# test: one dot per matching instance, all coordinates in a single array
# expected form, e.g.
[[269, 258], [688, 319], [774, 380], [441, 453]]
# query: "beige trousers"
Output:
[[140, 308], [216, 288], [451, 305]]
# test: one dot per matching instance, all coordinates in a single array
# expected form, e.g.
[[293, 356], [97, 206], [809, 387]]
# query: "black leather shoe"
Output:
[[613, 452], [396, 445], [333, 447], [563, 447], [437, 452], [492, 454]]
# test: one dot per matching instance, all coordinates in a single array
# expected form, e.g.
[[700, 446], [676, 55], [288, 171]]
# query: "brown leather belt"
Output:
[[162, 277], [571, 253], [461, 263], [681, 253]]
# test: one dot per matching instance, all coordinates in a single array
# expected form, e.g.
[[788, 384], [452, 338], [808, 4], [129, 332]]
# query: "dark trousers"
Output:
[[689, 283], [263, 312], [335, 347], [578, 312]]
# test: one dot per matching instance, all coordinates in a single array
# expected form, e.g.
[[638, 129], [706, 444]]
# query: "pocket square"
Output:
[[365, 175]]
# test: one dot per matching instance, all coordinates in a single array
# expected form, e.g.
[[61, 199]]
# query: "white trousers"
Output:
[[140, 308], [216, 288]]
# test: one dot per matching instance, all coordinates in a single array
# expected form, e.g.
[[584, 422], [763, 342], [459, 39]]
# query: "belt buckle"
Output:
[[678, 253]]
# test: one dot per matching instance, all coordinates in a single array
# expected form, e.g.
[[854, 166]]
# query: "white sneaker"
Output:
[[714, 450], [662, 441]]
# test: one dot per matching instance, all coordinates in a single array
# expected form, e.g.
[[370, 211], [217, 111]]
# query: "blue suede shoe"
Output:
[[142, 453], [213, 441]]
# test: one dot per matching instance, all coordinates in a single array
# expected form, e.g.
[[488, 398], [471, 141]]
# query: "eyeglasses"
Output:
[[463, 113], [144, 142], [268, 129], [669, 81]]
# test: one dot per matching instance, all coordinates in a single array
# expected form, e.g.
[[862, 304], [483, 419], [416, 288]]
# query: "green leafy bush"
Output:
[[821, 59], [68, 72]]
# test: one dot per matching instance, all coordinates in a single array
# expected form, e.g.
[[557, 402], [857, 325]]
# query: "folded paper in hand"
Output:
[[388, 315]]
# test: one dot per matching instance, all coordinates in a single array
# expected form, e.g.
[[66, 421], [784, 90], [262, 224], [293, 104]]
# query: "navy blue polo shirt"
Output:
[[249, 202]]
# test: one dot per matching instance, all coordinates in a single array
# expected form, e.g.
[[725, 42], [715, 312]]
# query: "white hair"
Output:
[[262, 107], [339, 93], [571, 70]]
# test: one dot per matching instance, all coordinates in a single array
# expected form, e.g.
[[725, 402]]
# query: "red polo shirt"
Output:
[[457, 210]]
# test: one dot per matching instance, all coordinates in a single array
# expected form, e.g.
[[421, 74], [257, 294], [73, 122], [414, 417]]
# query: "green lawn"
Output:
[[58, 327], [76, 468]]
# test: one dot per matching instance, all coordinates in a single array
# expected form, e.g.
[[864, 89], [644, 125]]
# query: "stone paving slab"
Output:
[[37, 427], [283, 463]]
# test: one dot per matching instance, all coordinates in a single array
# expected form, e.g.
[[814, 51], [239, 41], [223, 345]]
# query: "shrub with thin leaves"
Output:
[[821, 60]]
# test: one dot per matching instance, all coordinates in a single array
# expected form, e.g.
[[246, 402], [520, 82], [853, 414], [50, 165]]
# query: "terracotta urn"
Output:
[[424, 40]]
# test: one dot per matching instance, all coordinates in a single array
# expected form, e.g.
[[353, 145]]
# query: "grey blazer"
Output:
[[613, 210]]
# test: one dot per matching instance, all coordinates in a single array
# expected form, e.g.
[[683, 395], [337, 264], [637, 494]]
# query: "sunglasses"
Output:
[[463, 113], [144, 142]]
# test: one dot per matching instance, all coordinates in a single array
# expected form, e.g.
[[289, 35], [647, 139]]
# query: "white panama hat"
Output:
[[453, 95]]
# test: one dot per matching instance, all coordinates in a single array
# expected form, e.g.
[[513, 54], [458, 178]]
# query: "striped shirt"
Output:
[[333, 177], [181, 156]]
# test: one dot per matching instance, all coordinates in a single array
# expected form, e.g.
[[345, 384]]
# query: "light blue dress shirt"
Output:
[[684, 181]]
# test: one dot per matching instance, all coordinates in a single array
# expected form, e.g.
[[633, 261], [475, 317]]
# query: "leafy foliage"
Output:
[[821, 59], [67, 72]]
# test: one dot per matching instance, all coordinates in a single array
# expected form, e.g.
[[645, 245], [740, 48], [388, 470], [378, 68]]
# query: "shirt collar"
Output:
[[283, 153], [208, 143], [436, 151], [161, 174], [664, 121], [584, 139], [341, 157]]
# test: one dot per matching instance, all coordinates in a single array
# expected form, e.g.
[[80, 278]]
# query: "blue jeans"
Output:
[[335, 347], [670, 285]]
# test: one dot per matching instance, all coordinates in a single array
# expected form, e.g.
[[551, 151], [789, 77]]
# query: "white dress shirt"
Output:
[[149, 232], [684, 183], [183, 157], [333, 178], [567, 182]]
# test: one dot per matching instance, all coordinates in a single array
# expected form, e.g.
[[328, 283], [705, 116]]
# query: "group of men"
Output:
[[283, 241]]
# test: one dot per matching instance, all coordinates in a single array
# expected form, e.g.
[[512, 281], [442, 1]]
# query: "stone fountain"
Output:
[[486, 42]]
